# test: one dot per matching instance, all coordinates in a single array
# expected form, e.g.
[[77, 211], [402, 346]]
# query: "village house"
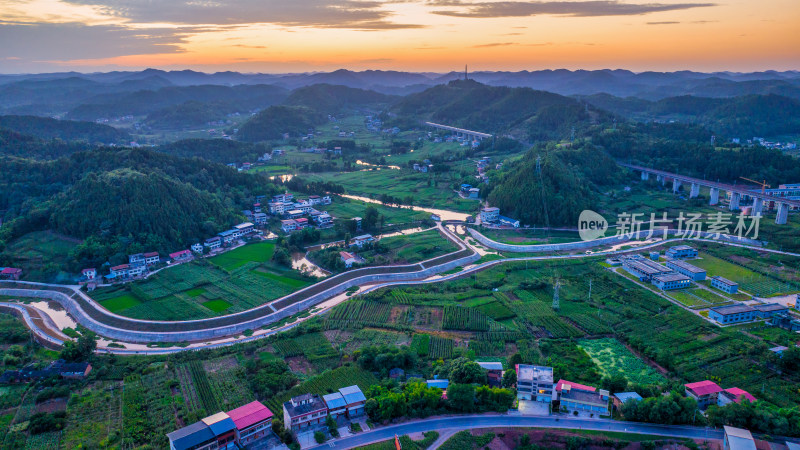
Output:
[[304, 411], [288, 225], [578, 397], [734, 395], [253, 421], [704, 392], [89, 274], [244, 228], [354, 400], [183, 255], [213, 432], [260, 218], [301, 222], [213, 242], [10, 273], [534, 383], [276, 208], [494, 372], [620, 398], [348, 259], [336, 404], [227, 237], [360, 241], [197, 248], [324, 220], [490, 214]]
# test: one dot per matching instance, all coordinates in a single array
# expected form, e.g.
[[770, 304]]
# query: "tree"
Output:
[[461, 397], [80, 350], [509, 378], [615, 383], [514, 359], [319, 436], [331, 424], [463, 370]]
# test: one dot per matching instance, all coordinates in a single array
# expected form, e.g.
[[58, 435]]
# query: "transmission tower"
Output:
[[556, 303], [590, 289]]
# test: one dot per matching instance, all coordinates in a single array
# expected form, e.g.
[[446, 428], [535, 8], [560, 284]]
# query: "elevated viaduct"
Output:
[[737, 192], [472, 135]]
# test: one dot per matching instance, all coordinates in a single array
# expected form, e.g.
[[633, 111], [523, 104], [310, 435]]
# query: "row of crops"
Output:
[[464, 318], [203, 387]]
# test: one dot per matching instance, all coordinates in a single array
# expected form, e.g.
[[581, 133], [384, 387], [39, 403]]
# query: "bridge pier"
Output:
[[783, 214], [676, 184], [662, 179], [714, 196], [645, 176], [695, 190], [758, 207], [734, 204]]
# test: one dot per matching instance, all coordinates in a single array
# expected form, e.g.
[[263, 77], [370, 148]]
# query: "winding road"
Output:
[[215, 332], [470, 422]]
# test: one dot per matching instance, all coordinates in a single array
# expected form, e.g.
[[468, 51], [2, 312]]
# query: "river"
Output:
[[442, 213]]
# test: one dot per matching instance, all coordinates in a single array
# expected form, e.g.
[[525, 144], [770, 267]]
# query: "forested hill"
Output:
[[743, 117], [332, 99], [687, 150], [274, 121], [67, 130], [564, 187], [531, 114], [13, 143], [124, 200], [242, 98], [217, 150]]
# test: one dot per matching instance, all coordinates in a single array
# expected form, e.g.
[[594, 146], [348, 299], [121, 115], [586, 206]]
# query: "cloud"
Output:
[[495, 44], [589, 8], [68, 41], [663, 23], [352, 14]]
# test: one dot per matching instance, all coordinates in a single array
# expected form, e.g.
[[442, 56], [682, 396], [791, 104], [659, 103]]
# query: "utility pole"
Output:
[[556, 303], [590, 289]]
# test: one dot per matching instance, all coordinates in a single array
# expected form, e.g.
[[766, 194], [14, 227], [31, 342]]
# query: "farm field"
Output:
[[613, 358], [346, 208], [410, 248], [203, 288], [430, 190], [749, 281]]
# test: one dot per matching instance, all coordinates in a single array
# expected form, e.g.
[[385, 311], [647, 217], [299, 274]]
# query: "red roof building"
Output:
[[705, 392], [253, 421], [11, 273], [181, 255], [734, 395], [574, 386]]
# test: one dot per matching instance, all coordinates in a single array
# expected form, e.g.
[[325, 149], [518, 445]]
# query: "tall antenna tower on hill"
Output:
[[465, 72]]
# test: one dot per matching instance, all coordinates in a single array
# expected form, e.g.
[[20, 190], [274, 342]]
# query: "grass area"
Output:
[[410, 248], [523, 236], [612, 358], [687, 298], [259, 252], [120, 303], [217, 306], [41, 255], [205, 288]]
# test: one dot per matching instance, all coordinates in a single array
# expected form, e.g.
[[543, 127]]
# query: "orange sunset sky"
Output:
[[411, 35]]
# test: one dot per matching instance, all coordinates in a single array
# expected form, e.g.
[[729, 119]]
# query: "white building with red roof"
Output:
[[183, 255], [734, 395], [253, 422], [705, 392]]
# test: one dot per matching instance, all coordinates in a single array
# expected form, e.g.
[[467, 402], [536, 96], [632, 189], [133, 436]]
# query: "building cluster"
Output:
[[58, 368], [138, 265], [708, 393], [535, 383], [300, 213], [490, 216], [225, 430], [768, 144], [482, 166], [425, 167], [308, 410], [746, 313]]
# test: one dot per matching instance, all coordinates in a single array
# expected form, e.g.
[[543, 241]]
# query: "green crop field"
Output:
[[200, 289], [33, 251], [613, 358], [411, 248], [120, 303], [687, 298], [217, 306], [259, 252], [530, 236]]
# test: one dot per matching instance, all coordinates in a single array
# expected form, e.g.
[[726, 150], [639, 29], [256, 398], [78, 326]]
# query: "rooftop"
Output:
[[489, 365], [681, 247], [219, 423], [352, 394], [190, 436], [316, 404], [739, 439], [667, 277], [770, 307], [625, 396], [737, 395], [441, 384], [534, 373], [686, 266], [582, 396], [574, 386], [724, 280], [703, 387], [249, 415], [334, 400], [732, 309]]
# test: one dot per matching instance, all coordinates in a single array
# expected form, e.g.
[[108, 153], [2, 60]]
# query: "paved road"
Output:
[[498, 421]]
